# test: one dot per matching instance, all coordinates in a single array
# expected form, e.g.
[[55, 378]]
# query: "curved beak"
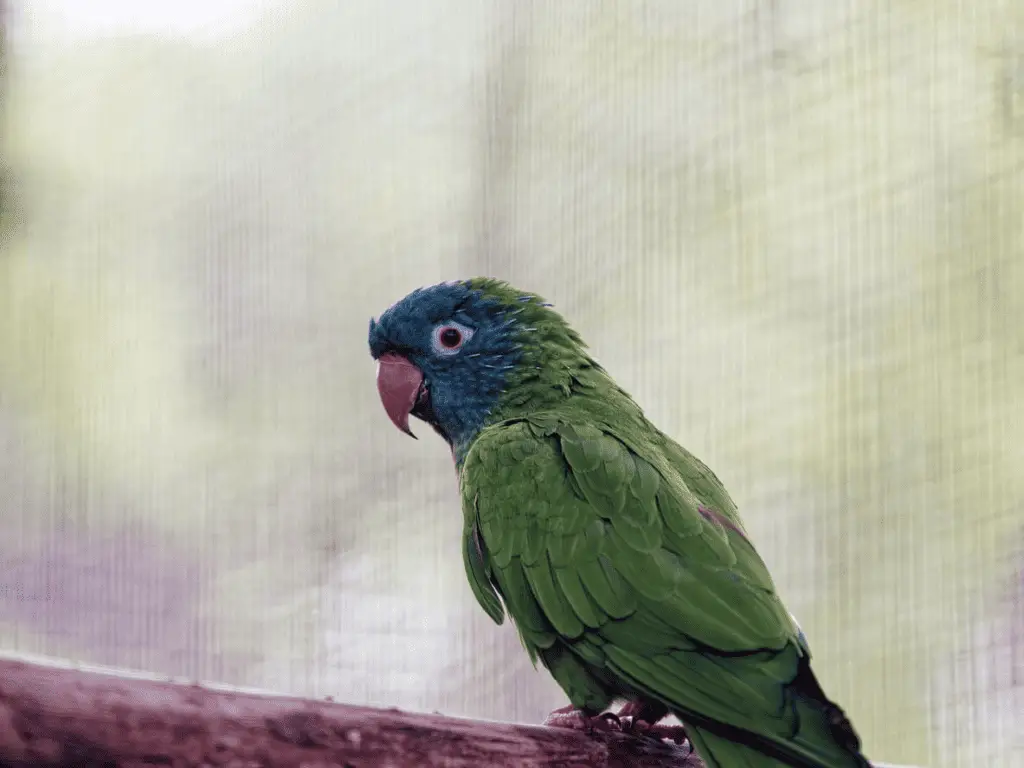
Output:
[[399, 383]]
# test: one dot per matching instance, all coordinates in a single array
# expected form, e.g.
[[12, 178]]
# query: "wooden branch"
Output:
[[54, 714]]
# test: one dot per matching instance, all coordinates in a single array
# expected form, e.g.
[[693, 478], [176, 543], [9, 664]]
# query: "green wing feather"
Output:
[[619, 583]]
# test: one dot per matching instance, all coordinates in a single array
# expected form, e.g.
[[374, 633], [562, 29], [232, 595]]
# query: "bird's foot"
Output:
[[635, 718], [674, 733], [579, 720], [640, 718]]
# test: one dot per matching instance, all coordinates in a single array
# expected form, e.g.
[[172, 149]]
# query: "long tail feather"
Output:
[[825, 738]]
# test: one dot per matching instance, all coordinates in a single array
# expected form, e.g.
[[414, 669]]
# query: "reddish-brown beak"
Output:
[[398, 382]]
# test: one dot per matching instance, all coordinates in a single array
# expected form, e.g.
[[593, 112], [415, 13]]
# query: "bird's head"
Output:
[[457, 355]]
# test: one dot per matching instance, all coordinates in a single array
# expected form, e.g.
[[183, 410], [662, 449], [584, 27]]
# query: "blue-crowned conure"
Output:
[[619, 555]]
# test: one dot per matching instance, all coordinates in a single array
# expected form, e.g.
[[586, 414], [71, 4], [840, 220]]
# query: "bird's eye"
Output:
[[449, 338]]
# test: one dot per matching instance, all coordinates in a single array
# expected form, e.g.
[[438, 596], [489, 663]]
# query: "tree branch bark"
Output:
[[63, 716], [58, 714]]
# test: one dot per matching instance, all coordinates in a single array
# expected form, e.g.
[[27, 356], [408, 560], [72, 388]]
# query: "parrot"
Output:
[[618, 555]]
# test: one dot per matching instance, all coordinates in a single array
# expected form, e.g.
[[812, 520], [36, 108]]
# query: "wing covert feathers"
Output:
[[617, 580]]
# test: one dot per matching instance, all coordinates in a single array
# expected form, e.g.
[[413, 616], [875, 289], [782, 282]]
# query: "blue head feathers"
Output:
[[465, 341], [464, 354]]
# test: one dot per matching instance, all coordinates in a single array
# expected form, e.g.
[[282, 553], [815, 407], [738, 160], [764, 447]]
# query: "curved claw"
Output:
[[610, 721], [641, 719], [631, 719]]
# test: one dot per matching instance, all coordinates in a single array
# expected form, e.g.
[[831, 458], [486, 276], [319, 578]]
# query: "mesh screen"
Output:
[[793, 230]]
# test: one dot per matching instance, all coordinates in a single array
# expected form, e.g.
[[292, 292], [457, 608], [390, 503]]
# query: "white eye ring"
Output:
[[449, 338]]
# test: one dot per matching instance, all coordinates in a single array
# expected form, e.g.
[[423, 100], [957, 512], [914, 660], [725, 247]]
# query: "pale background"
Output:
[[794, 230]]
